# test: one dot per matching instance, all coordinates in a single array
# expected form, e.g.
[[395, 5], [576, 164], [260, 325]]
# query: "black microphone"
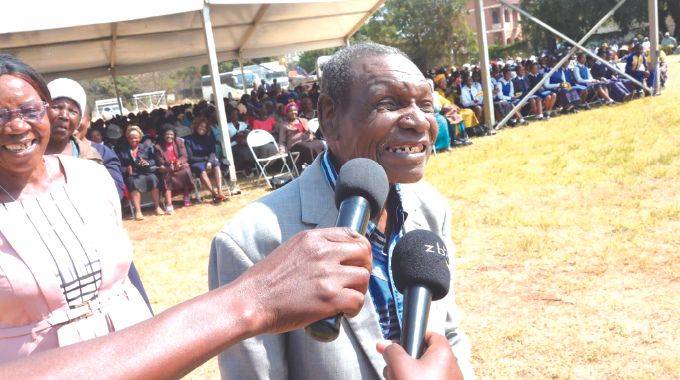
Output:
[[421, 274], [360, 193]]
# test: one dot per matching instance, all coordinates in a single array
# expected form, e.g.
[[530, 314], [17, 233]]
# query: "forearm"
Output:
[[169, 345]]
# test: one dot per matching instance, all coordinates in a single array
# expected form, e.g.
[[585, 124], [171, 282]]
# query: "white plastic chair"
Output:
[[259, 138]]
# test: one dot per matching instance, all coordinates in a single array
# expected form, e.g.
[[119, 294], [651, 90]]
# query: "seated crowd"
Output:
[[578, 83], [162, 151]]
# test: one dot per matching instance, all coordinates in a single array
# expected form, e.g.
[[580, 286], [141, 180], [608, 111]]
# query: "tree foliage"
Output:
[[575, 17], [308, 59], [431, 32]]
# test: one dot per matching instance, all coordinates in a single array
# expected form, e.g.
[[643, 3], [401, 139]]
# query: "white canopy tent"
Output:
[[83, 39]]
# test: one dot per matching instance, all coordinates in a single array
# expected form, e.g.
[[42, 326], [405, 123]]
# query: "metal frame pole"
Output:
[[547, 76], [653, 6], [115, 89], [574, 43], [489, 117], [243, 74], [217, 89]]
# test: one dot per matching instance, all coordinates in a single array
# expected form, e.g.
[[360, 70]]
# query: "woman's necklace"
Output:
[[8, 194]]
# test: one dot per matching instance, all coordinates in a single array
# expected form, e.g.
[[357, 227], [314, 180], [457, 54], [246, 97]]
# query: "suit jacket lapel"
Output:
[[317, 202], [411, 204]]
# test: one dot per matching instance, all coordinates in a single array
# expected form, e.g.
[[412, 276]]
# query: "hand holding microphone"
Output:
[[420, 268], [360, 194], [437, 362]]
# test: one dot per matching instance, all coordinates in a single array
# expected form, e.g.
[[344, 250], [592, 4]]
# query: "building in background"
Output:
[[502, 23]]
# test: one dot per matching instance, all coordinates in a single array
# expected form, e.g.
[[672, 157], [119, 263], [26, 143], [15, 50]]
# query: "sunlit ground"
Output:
[[568, 235]]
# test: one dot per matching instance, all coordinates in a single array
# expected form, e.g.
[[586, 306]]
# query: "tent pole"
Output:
[[489, 117], [217, 92], [653, 6], [547, 76], [243, 74], [115, 89]]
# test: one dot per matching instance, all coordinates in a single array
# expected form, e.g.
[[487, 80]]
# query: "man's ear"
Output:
[[326, 110]]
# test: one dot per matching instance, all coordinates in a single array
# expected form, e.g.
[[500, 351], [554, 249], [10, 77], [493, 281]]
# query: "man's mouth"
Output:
[[19, 147], [411, 149]]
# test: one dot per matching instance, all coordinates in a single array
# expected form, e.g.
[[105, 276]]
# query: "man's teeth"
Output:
[[15, 148], [406, 149]]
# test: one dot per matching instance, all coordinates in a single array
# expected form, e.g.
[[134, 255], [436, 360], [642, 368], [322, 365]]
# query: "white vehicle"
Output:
[[108, 108], [232, 84], [319, 65], [270, 71]]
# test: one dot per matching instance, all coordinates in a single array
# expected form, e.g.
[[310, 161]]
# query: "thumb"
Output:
[[393, 353], [382, 345]]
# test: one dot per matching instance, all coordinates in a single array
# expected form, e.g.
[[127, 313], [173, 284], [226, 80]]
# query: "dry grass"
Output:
[[568, 235]]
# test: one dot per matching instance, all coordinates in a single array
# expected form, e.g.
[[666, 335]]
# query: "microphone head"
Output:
[[420, 258], [364, 178]]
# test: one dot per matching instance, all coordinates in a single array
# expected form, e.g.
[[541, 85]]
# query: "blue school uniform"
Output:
[[571, 79], [617, 88], [533, 81], [565, 97]]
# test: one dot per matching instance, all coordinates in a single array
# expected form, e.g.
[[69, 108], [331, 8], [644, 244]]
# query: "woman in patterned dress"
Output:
[[64, 255]]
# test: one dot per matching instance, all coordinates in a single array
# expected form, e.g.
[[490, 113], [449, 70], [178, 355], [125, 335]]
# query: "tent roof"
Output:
[[137, 36]]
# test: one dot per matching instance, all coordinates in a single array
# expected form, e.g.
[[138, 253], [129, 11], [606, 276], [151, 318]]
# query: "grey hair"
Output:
[[336, 81]]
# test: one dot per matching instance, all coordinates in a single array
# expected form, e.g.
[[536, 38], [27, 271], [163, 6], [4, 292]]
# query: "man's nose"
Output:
[[414, 118]]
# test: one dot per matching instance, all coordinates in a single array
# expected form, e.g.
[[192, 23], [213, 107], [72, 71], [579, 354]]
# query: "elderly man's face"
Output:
[[388, 118]]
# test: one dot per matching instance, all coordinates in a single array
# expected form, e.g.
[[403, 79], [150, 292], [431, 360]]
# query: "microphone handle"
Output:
[[417, 300], [354, 212]]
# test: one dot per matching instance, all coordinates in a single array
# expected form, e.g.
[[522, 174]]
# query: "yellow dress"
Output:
[[468, 115]]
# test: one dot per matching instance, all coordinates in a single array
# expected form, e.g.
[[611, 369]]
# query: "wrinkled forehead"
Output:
[[390, 69]]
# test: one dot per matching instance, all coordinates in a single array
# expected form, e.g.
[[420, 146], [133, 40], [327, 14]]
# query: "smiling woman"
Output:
[[64, 256]]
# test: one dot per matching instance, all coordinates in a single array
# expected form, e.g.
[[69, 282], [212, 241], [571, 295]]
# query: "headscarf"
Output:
[[438, 78], [288, 107], [132, 129]]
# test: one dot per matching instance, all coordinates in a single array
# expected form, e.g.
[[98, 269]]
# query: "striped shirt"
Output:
[[387, 300]]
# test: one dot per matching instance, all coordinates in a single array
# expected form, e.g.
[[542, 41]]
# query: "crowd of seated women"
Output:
[[579, 83], [163, 150]]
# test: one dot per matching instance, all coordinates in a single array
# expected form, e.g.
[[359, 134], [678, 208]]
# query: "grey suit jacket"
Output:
[[306, 203]]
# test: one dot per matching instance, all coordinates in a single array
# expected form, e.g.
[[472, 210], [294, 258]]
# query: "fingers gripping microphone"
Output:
[[421, 274], [360, 194]]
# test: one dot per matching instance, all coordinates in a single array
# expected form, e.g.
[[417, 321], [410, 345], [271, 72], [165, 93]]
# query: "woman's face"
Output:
[[169, 137], [24, 127], [292, 113], [521, 71], [307, 104], [202, 129], [64, 116], [581, 59], [96, 136], [133, 139]]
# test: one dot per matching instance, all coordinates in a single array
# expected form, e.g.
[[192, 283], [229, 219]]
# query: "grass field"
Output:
[[568, 236]]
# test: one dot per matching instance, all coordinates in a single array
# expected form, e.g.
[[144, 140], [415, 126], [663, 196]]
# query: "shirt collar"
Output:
[[328, 169], [331, 175]]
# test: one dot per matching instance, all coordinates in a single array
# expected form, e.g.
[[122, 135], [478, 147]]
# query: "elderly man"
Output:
[[376, 104]]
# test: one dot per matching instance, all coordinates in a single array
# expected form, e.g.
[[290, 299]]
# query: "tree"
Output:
[[308, 59], [581, 15], [431, 32]]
